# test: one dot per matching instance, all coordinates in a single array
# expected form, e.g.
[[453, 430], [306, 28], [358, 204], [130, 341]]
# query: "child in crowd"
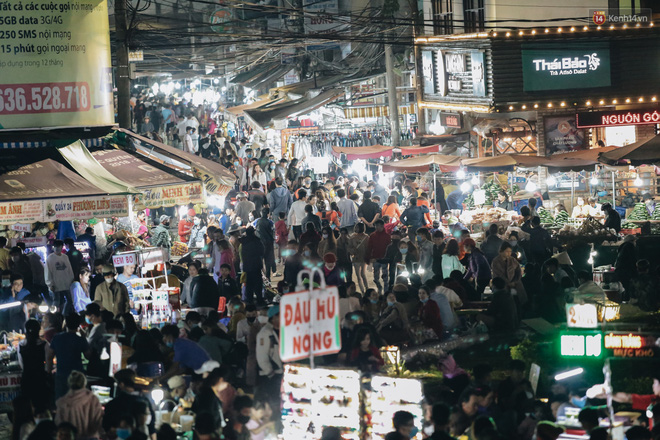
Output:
[[281, 235]]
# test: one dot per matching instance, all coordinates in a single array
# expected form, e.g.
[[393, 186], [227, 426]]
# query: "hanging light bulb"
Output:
[[594, 180], [466, 187], [475, 180], [460, 173], [551, 181], [638, 181]]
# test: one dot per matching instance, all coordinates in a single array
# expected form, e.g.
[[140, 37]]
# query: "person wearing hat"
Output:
[[126, 402], [243, 207], [112, 295], [161, 236], [268, 352], [331, 270], [146, 128], [179, 391], [185, 225]]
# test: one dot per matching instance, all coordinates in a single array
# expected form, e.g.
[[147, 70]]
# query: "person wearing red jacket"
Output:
[[185, 225], [429, 314], [376, 247]]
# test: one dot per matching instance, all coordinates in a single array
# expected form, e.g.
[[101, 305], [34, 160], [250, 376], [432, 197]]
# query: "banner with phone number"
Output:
[[55, 68]]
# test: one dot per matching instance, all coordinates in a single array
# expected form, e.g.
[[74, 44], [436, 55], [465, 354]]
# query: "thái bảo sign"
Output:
[[309, 324]]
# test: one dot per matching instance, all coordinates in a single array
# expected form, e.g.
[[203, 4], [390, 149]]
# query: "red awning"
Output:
[[368, 152], [408, 151]]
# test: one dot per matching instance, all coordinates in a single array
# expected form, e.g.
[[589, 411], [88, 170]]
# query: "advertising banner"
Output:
[[211, 183], [551, 67], [85, 207], [562, 135], [309, 324], [170, 196], [617, 118], [10, 388], [29, 211], [55, 66]]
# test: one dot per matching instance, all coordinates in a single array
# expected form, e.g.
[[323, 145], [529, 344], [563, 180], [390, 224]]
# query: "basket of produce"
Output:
[[545, 216], [639, 213], [590, 231]]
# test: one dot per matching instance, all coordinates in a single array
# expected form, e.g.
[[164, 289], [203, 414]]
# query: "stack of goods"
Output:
[[389, 395], [561, 218], [179, 249], [590, 231], [492, 189], [545, 216], [485, 216], [639, 213]]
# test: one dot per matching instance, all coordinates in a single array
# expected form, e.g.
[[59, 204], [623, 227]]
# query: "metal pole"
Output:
[[435, 190], [123, 71], [572, 189], [613, 191], [392, 100]]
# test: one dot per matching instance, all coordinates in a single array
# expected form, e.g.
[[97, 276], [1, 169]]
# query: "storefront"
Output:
[[521, 89]]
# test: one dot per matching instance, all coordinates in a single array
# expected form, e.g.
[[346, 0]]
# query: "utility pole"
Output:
[[418, 29], [123, 71], [392, 99]]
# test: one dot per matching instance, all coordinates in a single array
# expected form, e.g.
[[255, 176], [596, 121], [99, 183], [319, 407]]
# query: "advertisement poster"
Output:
[[85, 207], [55, 66], [21, 212], [170, 196], [578, 66], [562, 135]]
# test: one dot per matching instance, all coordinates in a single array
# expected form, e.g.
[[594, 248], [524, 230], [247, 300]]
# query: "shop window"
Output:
[[620, 136], [514, 142], [443, 17], [474, 13]]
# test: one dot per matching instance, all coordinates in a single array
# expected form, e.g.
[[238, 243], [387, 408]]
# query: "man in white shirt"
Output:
[[297, 213], [60, 273], [188, 144], [244, 326]]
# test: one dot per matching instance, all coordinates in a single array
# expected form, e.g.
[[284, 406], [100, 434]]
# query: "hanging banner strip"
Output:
[[169, 196]]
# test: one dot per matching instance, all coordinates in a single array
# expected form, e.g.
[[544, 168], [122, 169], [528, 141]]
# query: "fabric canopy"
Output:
[[159, 186], [216, 178], [644, 152], [421, 164], [576, 160], [79, 157], [239, 109], [367, 152], [504, 162], [407, 151]]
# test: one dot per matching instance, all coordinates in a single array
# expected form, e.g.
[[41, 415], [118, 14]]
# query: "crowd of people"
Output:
[[401, 278]]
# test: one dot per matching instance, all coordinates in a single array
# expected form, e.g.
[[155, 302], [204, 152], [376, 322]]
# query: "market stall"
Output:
[[366, 152], [420, 164], [360, 406]]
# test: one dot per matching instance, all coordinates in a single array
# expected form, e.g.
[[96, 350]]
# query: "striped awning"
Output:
[[376, 112]]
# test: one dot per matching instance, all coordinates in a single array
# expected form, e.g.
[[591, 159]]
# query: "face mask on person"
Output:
[[262, 319], [123, 433], [249, 156], [169, 271], [403, 251], [374, 301], [251, 320], [414, 432], [239, 221], [169, 344], [243, 419], [197, 221], [325, 236], [579, 402], [307, 253], [236, 163], [251, 218], [513, 243], [390, 303], [419, 239], [308, 183], [88, 321], [6, 283], [272, 167], [330, 266], [424, 301], [109, 280], [37, 421]]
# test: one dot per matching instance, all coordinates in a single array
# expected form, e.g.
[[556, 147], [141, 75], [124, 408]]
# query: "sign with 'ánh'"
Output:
[[309, 324], [571, 66]]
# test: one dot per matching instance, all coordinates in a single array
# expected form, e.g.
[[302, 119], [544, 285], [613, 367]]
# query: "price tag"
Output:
[[122, 260], [21, 227]]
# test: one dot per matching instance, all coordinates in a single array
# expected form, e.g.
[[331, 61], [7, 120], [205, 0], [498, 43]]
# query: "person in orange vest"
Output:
[[423, 200], [185, 225]]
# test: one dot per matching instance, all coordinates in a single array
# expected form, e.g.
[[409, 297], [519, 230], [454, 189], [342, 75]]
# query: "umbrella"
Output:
[[645, 152], [409, 151], [504, 162], [421, 163], [576, 160]]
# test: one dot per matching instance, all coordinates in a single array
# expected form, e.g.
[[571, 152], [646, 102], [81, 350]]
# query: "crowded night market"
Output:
[[329, 220]]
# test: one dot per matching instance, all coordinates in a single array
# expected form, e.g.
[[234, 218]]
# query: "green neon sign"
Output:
[[581, 344]]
